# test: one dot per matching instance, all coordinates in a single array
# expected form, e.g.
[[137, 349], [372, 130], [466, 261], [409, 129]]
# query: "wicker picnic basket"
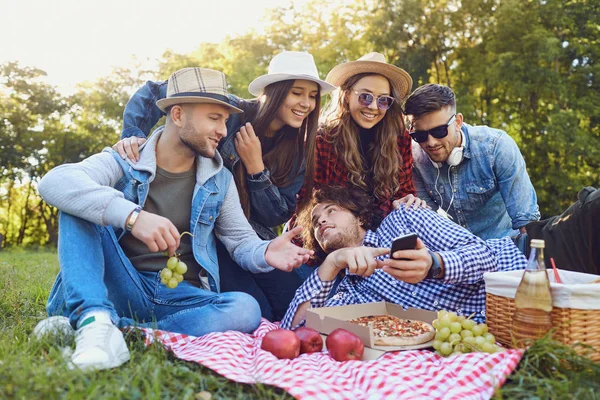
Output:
[[575, 313]]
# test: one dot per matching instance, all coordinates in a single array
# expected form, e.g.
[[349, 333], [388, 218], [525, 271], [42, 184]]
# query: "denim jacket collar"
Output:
[[467, 151]]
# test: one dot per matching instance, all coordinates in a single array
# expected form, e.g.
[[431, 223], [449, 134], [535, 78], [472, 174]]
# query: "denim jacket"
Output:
[[104, 188], [270, 205], [489, 192]]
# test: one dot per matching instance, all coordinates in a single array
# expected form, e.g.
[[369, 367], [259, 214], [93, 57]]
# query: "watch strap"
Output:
[[132, 218], [435, 271]]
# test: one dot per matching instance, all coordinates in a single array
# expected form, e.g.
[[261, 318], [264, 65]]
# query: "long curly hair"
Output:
[[288, 149], [355, 200], [343, 132]]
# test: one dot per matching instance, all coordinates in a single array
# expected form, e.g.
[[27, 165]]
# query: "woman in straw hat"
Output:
[[362, 141], [270, 151]]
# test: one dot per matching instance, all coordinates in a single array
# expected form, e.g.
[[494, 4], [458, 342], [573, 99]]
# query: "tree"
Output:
[[27, 104], [537, 78]]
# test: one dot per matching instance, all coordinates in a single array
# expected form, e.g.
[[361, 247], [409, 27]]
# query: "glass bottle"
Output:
[[533, 300]]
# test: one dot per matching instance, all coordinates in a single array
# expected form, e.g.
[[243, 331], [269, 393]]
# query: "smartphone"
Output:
[[405, 242]]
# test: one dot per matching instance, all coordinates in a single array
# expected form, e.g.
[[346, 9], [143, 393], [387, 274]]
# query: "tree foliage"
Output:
[[529, 67]]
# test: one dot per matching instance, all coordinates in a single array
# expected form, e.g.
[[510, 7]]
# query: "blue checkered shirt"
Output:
[[466, 258]]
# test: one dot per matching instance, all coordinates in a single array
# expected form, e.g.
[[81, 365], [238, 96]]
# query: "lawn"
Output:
[[31, 369]]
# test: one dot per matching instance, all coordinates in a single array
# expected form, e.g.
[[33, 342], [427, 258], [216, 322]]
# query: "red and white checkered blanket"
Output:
[[403, 374]]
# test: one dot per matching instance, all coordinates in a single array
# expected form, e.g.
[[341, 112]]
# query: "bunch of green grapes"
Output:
[[457, 334], [173, 274]]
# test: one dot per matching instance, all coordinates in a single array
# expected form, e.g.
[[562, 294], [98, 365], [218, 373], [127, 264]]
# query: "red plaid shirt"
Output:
[[330, 169]]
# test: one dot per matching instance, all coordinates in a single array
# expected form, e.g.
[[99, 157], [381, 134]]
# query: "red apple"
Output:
[[310, 340], [344, 345], [282, 343]]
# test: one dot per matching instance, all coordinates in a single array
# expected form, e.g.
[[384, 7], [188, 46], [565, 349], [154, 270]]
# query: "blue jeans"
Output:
[[273, 290], [96, 275]]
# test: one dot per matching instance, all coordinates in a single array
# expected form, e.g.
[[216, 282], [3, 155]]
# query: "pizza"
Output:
[[393, 331]]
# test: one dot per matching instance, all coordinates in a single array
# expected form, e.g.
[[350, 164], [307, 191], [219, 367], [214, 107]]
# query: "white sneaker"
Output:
[[100, 345], [57, 326]]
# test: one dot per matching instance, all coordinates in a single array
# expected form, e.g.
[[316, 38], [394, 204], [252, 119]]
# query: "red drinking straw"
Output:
[[556, 276]]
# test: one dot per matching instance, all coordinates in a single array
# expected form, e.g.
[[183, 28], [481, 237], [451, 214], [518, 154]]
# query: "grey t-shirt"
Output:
[[170, 196]]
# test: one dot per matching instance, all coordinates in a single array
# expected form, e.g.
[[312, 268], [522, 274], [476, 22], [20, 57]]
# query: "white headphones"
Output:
[[455, 158], [456, 155]]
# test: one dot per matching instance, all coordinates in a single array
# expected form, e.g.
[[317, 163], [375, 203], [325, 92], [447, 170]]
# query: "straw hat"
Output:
[[289, 65], [197, 85], [372, 63]]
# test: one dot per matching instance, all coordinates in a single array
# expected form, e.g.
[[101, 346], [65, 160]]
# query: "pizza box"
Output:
[[328, 319]]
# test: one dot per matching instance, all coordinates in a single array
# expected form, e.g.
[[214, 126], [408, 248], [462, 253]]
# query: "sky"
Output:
[[80, 40]]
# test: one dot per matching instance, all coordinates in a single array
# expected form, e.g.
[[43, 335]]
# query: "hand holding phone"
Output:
[[405, 242]]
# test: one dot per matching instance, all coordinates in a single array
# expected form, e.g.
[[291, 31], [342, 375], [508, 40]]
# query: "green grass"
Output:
[[31, 369], [552, 370]]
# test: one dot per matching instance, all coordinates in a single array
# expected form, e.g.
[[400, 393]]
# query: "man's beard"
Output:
[[341, 240], [199, 148]]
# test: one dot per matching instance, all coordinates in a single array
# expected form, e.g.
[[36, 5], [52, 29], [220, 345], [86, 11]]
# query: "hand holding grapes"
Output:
[[156, 232]]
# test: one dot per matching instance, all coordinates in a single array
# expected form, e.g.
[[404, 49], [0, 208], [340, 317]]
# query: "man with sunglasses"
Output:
[[474, 175]]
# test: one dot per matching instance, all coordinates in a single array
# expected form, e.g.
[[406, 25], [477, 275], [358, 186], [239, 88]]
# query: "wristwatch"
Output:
[[435, 271], [132, 218]]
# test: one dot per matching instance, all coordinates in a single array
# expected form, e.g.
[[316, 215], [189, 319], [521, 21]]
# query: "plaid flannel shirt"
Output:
[[330, 169], [466, 258]]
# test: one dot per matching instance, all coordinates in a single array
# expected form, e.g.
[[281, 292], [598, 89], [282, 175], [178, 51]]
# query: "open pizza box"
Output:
[[328, 319]]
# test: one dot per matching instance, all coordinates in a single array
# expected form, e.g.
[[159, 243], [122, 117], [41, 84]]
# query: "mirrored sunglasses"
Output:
[[383, 102], [439, 132]]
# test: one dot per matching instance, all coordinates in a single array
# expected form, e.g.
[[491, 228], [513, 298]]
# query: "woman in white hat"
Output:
[[362, 140], [274, 140]]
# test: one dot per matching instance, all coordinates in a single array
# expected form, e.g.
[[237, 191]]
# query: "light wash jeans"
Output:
[[96, 275]]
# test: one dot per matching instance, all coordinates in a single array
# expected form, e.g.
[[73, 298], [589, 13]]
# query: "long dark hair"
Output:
[[284, 152]]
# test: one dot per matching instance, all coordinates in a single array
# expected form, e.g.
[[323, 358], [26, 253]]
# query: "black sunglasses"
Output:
[[365, 99], [439, 132]]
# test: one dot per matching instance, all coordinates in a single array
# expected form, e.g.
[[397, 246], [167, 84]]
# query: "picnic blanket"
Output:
[[403, 374]]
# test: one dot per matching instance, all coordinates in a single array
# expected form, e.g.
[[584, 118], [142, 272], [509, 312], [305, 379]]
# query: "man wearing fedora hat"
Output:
[[118, 219], [269, 150], [474, 175]]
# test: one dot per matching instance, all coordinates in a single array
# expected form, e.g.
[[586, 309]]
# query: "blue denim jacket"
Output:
[[270, 205], [493, 195], [206, 205]]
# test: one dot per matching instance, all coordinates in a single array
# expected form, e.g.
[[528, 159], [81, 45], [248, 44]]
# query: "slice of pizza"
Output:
[[393, 331]]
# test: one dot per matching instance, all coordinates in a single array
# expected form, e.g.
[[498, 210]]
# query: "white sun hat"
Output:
[[289, 65]]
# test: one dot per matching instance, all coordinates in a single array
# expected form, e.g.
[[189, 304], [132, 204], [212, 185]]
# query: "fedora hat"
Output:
[[197, 85], [373, 63], [289, 65]]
